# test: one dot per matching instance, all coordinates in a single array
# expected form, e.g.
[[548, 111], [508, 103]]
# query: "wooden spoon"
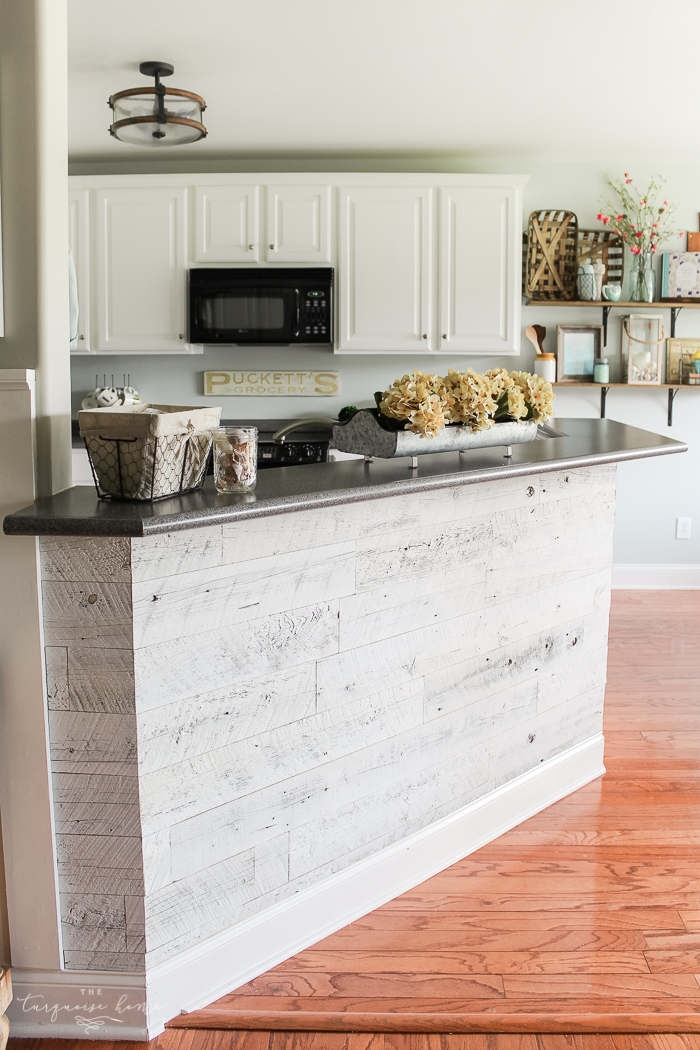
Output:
[[532, 336], [541, 333]]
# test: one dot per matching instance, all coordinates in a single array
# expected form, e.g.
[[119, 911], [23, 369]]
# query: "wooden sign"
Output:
[[269, 383]]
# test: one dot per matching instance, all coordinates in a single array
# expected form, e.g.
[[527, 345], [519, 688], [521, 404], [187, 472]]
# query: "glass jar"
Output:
[[601, 370], [642, 278], [235, 458]]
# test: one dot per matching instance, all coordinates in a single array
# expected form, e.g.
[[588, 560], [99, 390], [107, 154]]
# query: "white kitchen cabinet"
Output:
[[140, 270], [298, 227], [480, 260], [79, 241], [226, 224], [385, 279]]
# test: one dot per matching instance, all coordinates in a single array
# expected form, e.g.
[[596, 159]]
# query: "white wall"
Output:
[[651, 493]]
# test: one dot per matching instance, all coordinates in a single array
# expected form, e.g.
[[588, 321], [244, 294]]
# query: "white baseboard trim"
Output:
[[77, 1004], [73, 1004], [656, 577], [198, 976]]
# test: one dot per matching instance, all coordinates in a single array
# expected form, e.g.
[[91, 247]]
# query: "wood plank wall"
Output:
[[238, 712]]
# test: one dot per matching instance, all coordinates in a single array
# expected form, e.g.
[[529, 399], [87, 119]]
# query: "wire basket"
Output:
[[150, 453]]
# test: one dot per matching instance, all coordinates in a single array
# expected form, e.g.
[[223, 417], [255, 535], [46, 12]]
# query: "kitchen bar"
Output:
[[269, 713]]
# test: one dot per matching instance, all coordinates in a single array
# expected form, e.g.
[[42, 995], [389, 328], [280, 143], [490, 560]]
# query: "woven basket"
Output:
[[148, 452], [552, 242], [606, 247]]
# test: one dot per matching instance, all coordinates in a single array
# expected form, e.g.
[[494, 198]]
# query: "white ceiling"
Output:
[[553, 79]]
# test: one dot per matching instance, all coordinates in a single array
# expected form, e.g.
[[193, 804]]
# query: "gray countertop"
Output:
[[583, 442]]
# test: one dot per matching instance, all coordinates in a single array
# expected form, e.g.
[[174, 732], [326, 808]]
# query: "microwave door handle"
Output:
[[296, 334]]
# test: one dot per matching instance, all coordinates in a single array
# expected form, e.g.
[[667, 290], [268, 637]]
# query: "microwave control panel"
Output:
[[316, 315]]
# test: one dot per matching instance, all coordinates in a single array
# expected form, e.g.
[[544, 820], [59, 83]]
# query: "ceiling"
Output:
[[558, 80]]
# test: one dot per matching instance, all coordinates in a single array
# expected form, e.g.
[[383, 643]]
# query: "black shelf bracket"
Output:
[[603, 396], [671, 398], [675, 310], [606, 311]]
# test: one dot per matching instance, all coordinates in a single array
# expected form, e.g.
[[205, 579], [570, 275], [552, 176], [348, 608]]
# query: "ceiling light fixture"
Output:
[[157, 116]]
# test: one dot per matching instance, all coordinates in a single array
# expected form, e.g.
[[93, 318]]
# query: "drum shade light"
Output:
[[157, 116]]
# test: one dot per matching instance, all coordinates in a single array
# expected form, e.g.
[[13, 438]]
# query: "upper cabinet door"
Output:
[[141, 269], [480, 269], [298, 224], [385, 269], [79, 241], [226, 224]]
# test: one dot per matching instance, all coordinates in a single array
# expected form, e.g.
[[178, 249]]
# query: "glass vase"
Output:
[[642, 278]]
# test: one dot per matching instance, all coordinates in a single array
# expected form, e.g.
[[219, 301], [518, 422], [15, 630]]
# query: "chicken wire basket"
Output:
[[148, 452]]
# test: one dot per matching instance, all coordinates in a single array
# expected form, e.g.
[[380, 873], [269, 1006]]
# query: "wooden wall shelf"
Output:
[[606, 307], [672, 388]]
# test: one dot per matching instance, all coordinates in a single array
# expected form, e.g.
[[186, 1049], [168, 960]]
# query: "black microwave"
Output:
[[262, 306]]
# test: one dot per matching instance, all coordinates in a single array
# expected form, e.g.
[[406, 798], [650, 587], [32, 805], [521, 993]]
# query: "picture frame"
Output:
[[679, 356], [578, 345]]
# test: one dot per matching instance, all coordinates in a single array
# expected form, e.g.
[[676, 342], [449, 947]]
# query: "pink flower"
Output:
[[606, 220], [666, 203], [620, 217], [627, 174], [599, 216], [627, 181]]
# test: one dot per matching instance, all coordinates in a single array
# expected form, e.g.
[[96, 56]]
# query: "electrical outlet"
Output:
[[682, 528]]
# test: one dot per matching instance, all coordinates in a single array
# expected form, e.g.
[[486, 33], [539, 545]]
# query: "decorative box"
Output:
[[680, 275]]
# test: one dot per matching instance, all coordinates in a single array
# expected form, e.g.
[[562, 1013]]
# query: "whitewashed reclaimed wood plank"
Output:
[[584, 672], [209, 898], [190, 666], [174, 732], [101, 880], [271, 864], [92, 660], [179, 791], [94, 614], [157, 867], [308, 529], [97, 851], [566, 484], [553, 522], [212, 599], [96, 818], [78, 737], [154, 557], [76, 559], [484, 500], [403, 606], [57, 677], [534, 656], [408, 554], [336, 834], [520, 574], [93, 910], [92, 939], [108, 692], [94, 788], [121, 962], [113, 769]]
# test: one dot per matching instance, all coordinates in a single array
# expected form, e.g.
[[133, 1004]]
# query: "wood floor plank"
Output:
[[574, 1041], [352, 938], [657, 1041], [404, 984], [674, 961], [637, 986], [328, 1041], [442, 965]]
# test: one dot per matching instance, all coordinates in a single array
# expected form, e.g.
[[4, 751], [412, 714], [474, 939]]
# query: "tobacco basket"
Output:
[[606, 247], [552, 249]]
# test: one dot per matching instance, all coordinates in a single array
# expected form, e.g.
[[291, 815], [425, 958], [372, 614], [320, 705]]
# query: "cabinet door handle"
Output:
[[444, 337], [182, 335], [272, 247], [251, 247], [425, 337]]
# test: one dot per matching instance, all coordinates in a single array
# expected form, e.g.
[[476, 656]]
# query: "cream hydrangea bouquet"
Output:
[[425, 404]]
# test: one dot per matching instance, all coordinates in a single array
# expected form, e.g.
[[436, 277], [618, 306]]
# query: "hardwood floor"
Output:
[[583, 920]]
